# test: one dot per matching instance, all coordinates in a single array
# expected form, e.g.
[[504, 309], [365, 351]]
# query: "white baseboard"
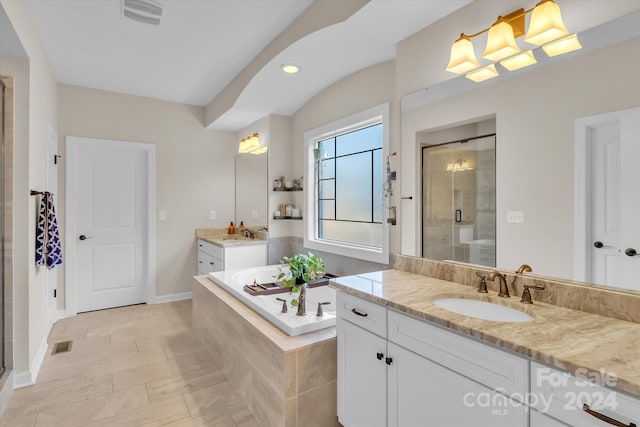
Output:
[[24, 379], [172, 297]]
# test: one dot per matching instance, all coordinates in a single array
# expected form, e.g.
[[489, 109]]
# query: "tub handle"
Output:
[[284, 305], [357, 313], [320, 304]]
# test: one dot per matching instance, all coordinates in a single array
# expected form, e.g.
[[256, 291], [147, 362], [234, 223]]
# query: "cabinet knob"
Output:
[[210, 262], [379, 356], [388, 360]]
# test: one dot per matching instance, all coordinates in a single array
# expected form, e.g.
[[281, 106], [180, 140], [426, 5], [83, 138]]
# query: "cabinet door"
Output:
[[424, 393], [208, 263], [362, 377]]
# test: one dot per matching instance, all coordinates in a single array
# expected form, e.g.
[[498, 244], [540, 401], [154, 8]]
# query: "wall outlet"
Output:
[[212, 215], [162, 216], [515, 217], [254, 214]]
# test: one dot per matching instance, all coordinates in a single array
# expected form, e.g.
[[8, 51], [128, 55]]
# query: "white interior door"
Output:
[[109, 208], [613, 178]]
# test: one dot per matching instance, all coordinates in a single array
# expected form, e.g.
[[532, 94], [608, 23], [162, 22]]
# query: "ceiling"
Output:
[[201, 45]]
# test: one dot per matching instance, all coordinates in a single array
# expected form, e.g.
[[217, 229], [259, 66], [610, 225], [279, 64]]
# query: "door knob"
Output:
[[631, 252], [600, 245], [83, 237]]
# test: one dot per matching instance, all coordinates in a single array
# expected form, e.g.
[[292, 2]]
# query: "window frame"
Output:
[[372, 116]]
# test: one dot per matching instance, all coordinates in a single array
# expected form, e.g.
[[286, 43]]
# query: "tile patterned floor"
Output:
[[129, 366]]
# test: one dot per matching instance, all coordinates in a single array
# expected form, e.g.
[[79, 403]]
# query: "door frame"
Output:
[[582, 200], [72, 143]]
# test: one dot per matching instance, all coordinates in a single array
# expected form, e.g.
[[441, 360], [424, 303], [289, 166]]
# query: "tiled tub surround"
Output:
[[285, 381], [558, 336]]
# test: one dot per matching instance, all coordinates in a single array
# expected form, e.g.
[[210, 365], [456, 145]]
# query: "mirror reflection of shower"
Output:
[[459, 199]]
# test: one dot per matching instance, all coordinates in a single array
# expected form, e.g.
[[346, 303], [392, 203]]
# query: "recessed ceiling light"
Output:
[[290, 68]]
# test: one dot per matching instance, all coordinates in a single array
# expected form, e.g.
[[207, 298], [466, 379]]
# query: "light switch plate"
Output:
[[254, 214], [162, 216], [212, 215], [515, 217]]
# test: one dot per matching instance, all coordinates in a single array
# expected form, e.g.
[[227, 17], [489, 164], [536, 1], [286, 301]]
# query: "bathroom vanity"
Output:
[[404, 361], [228, 252]]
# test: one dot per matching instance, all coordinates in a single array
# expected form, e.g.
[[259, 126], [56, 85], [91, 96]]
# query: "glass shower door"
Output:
[[458, 201]]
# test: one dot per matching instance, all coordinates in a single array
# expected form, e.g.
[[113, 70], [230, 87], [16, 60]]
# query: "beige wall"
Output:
[[358, 92], [535, 114], [194, 171], [30, 335]]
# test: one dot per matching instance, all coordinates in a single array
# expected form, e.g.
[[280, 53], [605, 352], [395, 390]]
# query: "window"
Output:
[[345, 209]]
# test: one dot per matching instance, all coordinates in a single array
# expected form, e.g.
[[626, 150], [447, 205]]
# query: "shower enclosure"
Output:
[[458, 201]]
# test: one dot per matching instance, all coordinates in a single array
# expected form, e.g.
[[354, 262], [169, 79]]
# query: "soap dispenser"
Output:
[[232, 228], [241, 226]]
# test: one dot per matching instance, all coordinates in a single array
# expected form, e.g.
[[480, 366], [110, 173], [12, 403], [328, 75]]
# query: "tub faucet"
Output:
[[523, 268], [302, 301], [504, 290]]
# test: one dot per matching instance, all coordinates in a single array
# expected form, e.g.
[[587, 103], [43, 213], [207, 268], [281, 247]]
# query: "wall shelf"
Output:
[[287, 217], [287, 189]]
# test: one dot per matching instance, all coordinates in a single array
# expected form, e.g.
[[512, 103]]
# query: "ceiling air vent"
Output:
[[147, 11]]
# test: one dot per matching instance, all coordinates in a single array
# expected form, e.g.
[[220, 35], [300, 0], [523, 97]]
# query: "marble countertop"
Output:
[[223, 239], [561, 337]]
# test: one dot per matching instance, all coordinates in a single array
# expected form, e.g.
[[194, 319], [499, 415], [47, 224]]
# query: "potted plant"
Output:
[[297, 272]]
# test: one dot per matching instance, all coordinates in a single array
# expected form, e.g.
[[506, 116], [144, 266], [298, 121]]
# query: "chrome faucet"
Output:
[[504, 290], [302, 301]]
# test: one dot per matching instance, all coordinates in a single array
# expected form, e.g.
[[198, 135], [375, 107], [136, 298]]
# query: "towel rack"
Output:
[[37, 193]]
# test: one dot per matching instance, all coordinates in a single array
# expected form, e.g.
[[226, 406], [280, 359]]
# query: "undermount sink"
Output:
[[235, 239], [483, 310]]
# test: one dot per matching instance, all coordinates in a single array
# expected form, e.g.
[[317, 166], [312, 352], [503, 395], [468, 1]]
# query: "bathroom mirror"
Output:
[[251, 189], [540, 158]]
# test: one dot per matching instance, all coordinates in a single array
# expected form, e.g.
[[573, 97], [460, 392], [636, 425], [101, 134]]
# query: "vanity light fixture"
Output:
[[563, 45], [459, 166], [290, 68], [251, 144], [518, 61], [481, 74], [545, 28]]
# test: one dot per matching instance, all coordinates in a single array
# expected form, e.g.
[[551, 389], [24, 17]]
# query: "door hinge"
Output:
[[55, 293]]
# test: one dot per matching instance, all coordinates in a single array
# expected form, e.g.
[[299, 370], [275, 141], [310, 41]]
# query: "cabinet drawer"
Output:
[[561, 395], [494, 368], [208, 263], [211, 249], [366, 314]]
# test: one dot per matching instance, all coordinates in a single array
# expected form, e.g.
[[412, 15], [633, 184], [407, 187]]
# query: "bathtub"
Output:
[[268, 307]]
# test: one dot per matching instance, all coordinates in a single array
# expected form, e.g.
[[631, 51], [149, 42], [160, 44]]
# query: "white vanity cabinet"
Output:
[[398, 371], [217, 258], [210, 257], [561, 396], [361, 328]]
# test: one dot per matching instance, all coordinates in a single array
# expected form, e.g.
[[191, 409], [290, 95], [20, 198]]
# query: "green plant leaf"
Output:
[[294, 303]]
